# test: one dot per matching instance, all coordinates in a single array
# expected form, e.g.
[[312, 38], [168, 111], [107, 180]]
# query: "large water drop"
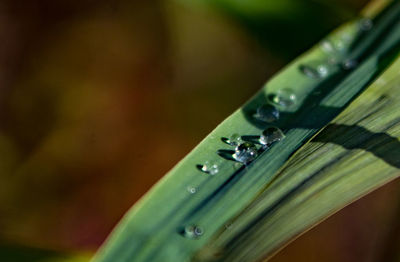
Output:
[[267, 113], [271, 135], [245, 152]]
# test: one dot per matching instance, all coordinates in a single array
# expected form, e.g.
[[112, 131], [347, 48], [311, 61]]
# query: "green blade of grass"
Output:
[[151, 231], [356, 153]]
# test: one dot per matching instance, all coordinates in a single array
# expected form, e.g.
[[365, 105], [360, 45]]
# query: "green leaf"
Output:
[[277, 196]]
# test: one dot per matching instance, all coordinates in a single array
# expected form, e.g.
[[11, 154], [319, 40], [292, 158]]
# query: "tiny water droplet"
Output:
[[193, 231], [349, 64], [267, 113], [210, 168], [339, 45], [245, 152], [365, 24], [191, 189], [234, 140], [327, 46], [332, 46], [271, 135], [315, 70], [284, 97]]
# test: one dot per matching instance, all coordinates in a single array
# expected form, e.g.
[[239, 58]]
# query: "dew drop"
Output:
[[267, 113], [313, 70], [365, 24], [284, 97], [245, 152], [332, 46], [349, 64], [210, 168], [271, 135], [192, 231], [234, 140], [327, 46], [191, 189]]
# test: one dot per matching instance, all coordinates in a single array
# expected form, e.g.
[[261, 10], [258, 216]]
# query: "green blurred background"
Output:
[[99, 99]]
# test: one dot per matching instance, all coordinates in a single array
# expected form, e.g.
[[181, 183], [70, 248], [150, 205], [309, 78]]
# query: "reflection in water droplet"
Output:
[[314, 70], [349, 64], [245, 152], [234, 140], [210, 168], [267, 113], [365, 24], [271, 135], [193, 231], [284, 97], [191, 189]]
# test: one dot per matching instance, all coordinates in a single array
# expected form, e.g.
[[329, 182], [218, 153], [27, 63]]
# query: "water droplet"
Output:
[[365, 24], [267, 113], [349, 64], [332, 46], [210, 168], [315, 70], [193, 231], [234, 140], [327, 46], [191, 189], [271, 135], [245, 152], [284, 97]]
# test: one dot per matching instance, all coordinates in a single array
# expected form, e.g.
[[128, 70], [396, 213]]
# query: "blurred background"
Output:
[[99, 99]]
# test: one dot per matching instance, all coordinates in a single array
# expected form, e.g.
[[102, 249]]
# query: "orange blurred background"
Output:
[[99, 99]]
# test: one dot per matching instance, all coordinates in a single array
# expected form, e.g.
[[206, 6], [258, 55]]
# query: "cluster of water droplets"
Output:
[[336, 49], [247, 151], [210, 168]]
